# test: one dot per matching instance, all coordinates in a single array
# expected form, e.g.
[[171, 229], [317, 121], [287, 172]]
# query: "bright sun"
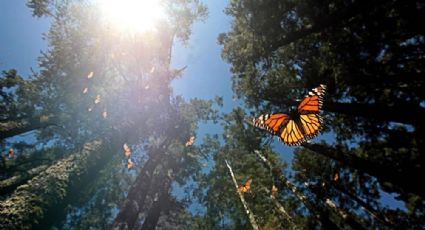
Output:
[[133, 16]]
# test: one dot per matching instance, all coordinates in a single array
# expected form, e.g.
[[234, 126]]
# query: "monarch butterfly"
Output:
[[11, 153], [190, 141], [246, 186], [299, 125], [127, 150], [97, 99], [90, 75], [274, 189], [336, 177], [129, 163]]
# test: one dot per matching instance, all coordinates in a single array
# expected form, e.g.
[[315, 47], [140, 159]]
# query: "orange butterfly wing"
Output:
[[248, 184], [274, 189], [127, 150], [305, 125], [313, 101], [190, 141], [336, 177], [311, 123], [11, 152], [309, 108], [291, 134], [246, 187], [283, 126], [130, 164], [271, 122]]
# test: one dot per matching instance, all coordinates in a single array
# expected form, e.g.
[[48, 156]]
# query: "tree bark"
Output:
[[135, 200], [158, 206], [28, 203]]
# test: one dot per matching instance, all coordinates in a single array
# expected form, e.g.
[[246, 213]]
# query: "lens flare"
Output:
[[133, 16]]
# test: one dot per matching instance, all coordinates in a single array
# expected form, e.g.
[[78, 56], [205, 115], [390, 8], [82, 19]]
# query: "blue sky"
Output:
[[207, 75], [205, 70], [21, 37]]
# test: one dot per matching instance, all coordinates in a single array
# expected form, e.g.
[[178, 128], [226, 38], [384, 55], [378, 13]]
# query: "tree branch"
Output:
[[318, 215], [245, 205], [13, 128], [7, 185], [135, 201], [280, 207]]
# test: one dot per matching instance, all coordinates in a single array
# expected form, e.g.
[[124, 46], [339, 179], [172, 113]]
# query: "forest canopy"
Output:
[[97, 138]]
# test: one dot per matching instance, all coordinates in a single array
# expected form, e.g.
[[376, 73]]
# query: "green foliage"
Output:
[[363, 52], [217, 191], [39, 7], [100, 84], [18, 98], [370, 57], [183, 14]]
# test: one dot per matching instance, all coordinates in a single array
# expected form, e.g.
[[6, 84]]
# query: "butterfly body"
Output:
[[300, 124]]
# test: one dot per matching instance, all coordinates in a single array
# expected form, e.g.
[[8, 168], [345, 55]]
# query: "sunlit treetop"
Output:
[[132, 16]]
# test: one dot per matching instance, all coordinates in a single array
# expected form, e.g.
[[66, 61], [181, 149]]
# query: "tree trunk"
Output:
[[29, 202], [135, 201], [158, 206]]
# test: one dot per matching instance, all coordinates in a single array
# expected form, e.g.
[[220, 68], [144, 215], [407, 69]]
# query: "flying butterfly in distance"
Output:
[[190, 141], [336, 177], [11, 153], [90, 75], [246, 186], [299, 125], [274, 189], [127, 150], [129, 163], [97, 100]]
